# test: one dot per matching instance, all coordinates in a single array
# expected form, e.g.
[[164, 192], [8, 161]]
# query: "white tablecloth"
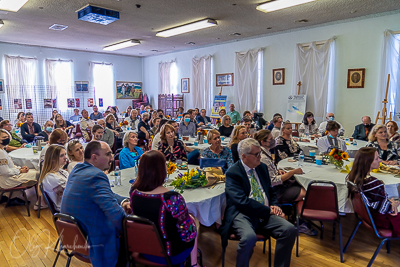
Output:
[[203, 146], [351, 149], [25, 157], [206, 204], [329, 173]]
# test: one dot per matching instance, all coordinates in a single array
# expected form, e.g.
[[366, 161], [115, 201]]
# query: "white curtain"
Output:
[[102, 79], [390, 64], [59, 82], [21, 77], [201, 83], [313, 67], [164, 74], [247, 79]]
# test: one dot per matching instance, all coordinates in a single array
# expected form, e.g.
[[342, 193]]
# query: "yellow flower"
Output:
[[332, 152], [171, 168], [345, 156]]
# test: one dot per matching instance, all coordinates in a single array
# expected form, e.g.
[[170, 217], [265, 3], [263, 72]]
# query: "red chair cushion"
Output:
[[142, 260], [381, 231], [319, 215]]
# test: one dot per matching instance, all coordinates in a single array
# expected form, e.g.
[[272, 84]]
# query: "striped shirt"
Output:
[[375, 195]]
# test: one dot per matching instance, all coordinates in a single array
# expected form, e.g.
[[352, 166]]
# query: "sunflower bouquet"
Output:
[[171, 167], [337, 157], [189, 180], [203, 132]]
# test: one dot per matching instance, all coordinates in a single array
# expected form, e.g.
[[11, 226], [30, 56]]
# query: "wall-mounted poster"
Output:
[[128, 90], [77, 102], [219, 103], [71, 102], [1, 106], [1, 86], [100, 102], [17, 104], [28, 103], [54, 103], [81, 87], [48, 103], [90, 102]]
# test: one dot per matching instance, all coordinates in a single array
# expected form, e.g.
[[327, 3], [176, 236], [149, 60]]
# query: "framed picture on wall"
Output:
[[185, 85], [128, 90], [81, 87], [77, 102], [28, 103], [48, 103], [71, 102], [355, 78], [278, 76], [1, 86], [100, 102], [225, 79], [90, 102]]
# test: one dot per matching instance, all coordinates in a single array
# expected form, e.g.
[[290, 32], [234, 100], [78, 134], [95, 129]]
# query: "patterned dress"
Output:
[[169, 213], [285, 148], [178, 151], [225, 154], [308, 129], [391, 153]]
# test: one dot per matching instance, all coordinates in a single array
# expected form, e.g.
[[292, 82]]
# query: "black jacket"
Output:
[[237, 190], [359, 132], [25, 131]]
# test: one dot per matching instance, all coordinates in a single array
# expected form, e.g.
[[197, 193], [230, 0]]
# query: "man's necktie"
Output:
[[256, 189]]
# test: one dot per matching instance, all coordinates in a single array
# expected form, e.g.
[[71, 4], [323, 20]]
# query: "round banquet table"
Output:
[[25, 157], [314, 172], [203, 146], [207, 204], [351, 149]]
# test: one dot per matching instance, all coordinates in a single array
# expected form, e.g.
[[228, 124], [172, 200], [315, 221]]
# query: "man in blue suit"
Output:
[[88, 198], [250, 207], [202, 119], [362, 130]]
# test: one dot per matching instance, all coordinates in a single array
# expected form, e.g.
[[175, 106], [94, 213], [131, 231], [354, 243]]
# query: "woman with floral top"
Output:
[[167, 209], [216, 150], [285, 145], [309, 126], [171, 148], [388, 151]]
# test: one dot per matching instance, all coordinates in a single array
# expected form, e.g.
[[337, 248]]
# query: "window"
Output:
[[168, 77], [103, 83], [59, 80]]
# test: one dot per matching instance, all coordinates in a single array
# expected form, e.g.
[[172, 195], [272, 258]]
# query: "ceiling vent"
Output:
[[98, 15], [58, 27]]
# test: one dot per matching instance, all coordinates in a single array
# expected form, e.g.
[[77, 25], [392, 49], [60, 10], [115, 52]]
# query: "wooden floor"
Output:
[[29, 241]]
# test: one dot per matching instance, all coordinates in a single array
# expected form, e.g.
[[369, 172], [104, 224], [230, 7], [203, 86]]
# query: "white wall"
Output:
[[358, 45], [125, 68]]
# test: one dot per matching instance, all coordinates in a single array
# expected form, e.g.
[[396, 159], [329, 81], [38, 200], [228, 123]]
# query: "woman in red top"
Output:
[[383, 210]]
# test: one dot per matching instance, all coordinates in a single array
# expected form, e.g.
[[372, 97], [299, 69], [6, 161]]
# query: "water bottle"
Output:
[[354, 142], [117, 174], [301, 159]]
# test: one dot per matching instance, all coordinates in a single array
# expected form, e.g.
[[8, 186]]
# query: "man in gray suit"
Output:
[[362, 130]]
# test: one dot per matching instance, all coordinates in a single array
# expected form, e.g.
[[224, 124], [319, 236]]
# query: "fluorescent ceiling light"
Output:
[[12, 5], [121, 45], [198, 25], [274, 5], [1, 23]]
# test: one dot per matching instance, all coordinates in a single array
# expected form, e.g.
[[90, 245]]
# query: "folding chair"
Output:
[[364, 217], [20, 188], [320, 204]]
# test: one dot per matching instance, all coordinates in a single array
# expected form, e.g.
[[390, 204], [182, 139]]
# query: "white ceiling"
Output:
[[30, 24]]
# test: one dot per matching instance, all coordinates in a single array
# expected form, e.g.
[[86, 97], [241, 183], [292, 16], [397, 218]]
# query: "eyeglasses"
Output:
[[256, 154]]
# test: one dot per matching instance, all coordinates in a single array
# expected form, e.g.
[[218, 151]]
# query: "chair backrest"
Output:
[[321, 195], [48, 200], [142, 236], [71, 236], [78, 128]]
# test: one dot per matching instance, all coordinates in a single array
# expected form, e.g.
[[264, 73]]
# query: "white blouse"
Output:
[[54, 184]]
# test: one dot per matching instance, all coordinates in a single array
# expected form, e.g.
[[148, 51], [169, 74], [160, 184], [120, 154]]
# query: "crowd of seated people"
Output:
[[71, 173]]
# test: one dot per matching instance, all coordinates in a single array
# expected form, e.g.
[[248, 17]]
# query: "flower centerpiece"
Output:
[[168, 117], [218, 122], [189, 180], [19, 125], [337, 157], [171, 167]]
